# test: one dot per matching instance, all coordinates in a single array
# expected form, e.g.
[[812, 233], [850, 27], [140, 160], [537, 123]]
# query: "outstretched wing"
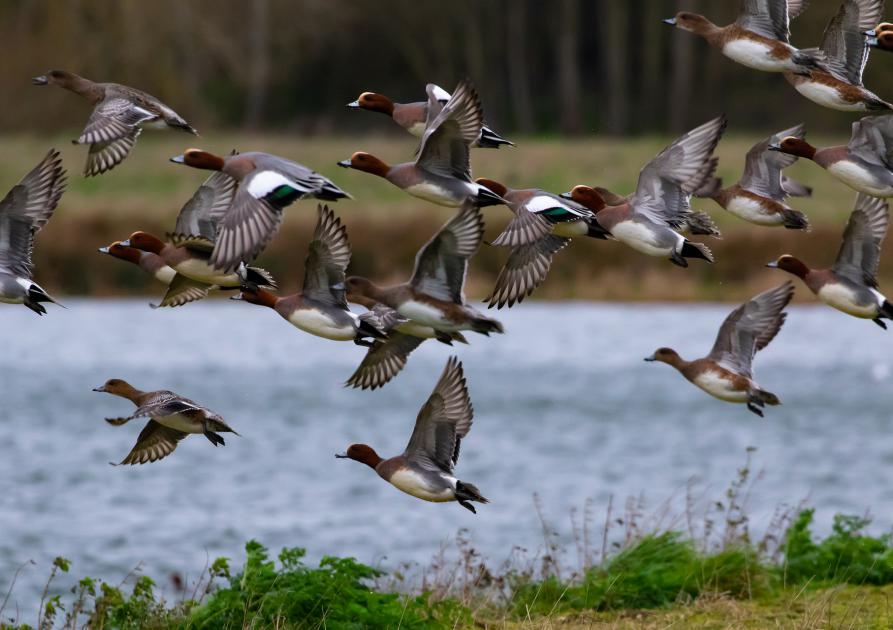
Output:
[[25, 209], [844, 42], [750, 328], [770, 18], [384, 360], [762, 168], [200, 215], [444, 149], [327, 260], [442, 422], [155, 442], [860, 250], [440, 266], [525, 269]]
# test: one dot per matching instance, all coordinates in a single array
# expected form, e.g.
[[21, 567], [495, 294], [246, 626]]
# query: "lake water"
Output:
[[564, 407]]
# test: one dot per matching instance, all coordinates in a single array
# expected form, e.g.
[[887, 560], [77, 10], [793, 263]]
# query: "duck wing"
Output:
[[535, 216], [155, 442], [769, 18], [762, 168], [844, 42], [183, 290], [442, 422], [526, 269], [384, 360], [872, 140], [445, 146], [750, 328], [667, 181], [327, 260], [441, 265], [860, 250], [25, 209], [165, 403], [198, 219]]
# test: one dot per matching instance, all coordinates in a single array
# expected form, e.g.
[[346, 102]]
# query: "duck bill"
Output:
[[567, 195], [774, 147], [125, 243], [345, 163], [872, 41], [649, 359], [101, 388], [669, 21], [772, 265], [41, 80], [354, 104], [103, 250], [341, 456], [237, 297], [178, 159]]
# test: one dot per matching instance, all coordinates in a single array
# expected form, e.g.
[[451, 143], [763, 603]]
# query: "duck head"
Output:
[[665, 355], [197, 158], [883, 40], [366, 162], [116, 249], [693, 22], [256, 295], [493, 186], [792, 145], [791, 264], [374, 102], [586, 196], [118, 387], [361, 453], [145, 242], [55, 77]]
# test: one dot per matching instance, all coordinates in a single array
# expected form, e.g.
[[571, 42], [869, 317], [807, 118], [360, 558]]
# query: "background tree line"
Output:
[[557, 67]]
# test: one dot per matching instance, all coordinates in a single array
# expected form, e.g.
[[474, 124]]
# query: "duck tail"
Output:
[[794, 219], [260, 277], [690, 249], [487, 197], [886, 310], [469, 492], [368, 329], [330, 192], [701, 223], [35, 296], [489, 139], [767, 398], [877, 105], [485, 325]]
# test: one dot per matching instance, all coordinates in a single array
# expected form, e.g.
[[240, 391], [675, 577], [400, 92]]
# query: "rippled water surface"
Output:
[[564, 407]]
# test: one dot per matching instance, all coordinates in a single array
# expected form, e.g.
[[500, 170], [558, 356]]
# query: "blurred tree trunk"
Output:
[[614, 51], [568, 42], [650, 84], [681, 78], [259, 63], [516, 57]]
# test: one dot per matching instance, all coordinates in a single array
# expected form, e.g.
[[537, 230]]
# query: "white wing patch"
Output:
[[541, 203], [440, 94], [266, 182]]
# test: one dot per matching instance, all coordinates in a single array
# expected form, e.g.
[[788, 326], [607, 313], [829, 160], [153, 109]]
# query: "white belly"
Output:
[[321, 325], [165, 275], [180, 423], [714, 384], [202, 271], [412, 483], [20, 299], [827, 96], [571, 229], [640, 237], [424, 314], [843, 299], [859, 178], [751, 210], [435, 194], [416, 330], [756, 55]]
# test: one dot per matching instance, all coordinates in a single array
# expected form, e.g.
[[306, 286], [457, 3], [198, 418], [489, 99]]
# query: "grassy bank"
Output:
[[705, 570], [386, 226]]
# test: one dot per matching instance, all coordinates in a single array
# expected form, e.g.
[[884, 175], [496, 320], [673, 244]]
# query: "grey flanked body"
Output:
[[119, 115], [23, 212]]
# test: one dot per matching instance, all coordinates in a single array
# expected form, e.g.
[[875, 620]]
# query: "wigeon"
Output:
[[321, 308], [413, 116], [846, 50], [425, 469], [542, 226], [851, 284], [387, 357], [759, 38], [192, 243], [865, 164], [441, 172], [759, 196], [171, 418], [726, 372], [152, 264], [119, 115], [24, 210], [267, 184], [435, 295], [648, 220]]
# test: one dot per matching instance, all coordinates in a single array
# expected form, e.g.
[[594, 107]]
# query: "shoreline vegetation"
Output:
[[146, 192], [703, 568]]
